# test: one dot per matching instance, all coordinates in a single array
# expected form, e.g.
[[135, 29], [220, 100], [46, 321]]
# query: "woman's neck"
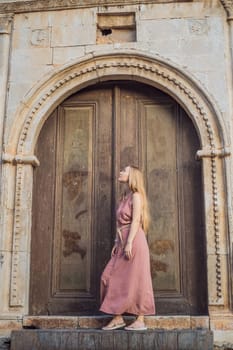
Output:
[[125, 191]]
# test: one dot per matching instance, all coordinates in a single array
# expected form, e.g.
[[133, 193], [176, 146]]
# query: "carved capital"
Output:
[[212, 153], [228, 6], [20, 159], [5, 24]]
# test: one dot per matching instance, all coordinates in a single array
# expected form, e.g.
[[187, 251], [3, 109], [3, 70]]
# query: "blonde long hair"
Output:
[[136, 184]]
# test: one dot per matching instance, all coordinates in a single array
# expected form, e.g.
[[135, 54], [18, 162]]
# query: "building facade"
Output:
[[87, 87]]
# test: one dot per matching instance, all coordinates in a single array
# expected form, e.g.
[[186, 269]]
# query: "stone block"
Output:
[[222, 322], [5, 263], [26, 61], [8, 182], [111, 340], [98, 48], [197, 46], [192, 37], [4, 343], [175, 10], [40, 37], [92, 322], [217, 86], [168, 322], [222, 337], [200, 63], [212, 279], [22, 80], [30, 20], [199, 322], [31, 38], [161, 30], [16, 94], [19, 278], [50, 322], [97, 322], [63, 55], [7, 325], [102, 48], [199, 340], [74, 28]]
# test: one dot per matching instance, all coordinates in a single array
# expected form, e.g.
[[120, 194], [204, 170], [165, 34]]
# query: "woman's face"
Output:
[[124, 175]]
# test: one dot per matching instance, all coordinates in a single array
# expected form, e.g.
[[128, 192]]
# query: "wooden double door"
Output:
[[81, 148]]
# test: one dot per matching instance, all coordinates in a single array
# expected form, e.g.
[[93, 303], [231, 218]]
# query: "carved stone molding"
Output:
[[39, 5], [211, 153], [216, 222], [20, 159], [5, 24], [158, 72], [131, 66], [228, 5], [16, 296]]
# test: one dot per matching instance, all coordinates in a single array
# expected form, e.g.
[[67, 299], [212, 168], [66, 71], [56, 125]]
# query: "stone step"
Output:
[[152, 322], [91, 339], [4, 343]]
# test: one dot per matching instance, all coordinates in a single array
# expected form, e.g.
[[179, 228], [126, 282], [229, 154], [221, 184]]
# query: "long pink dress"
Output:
[[126, 285]]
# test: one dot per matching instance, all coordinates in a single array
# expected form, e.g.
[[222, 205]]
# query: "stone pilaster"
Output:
[[5, 38], [228, 6], [5, 31]]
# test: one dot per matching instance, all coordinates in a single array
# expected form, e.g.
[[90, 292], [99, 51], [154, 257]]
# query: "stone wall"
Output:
[[190, 35]]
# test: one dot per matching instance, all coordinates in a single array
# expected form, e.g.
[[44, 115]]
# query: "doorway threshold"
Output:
[[97, 322]]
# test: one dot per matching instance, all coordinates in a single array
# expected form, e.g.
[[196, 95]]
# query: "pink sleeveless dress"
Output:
[[126, 285]]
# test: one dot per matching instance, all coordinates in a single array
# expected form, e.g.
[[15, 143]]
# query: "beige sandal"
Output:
[[136, 326], [111, 326]]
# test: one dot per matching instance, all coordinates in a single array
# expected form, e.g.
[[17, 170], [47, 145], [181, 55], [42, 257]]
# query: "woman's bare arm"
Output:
[[136, 219]]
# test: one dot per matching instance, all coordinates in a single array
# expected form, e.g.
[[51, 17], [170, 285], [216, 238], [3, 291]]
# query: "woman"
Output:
[[126, 285]]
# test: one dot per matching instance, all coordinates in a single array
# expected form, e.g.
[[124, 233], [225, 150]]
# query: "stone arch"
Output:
[[130, 65]]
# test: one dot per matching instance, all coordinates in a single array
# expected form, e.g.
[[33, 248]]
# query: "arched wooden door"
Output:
[[81, 148]]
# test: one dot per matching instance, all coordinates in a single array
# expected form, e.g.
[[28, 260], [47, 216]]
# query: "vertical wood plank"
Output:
[[73, 222], [160, 145], [43, 219], [192, 218], [129, 133]]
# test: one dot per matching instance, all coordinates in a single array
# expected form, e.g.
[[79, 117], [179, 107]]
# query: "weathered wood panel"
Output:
[[43, 219], [73, 221], [95, 133], [161, 160], [193, 247]]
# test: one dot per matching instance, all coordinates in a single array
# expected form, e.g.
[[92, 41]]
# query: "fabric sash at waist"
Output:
[[119, 229]]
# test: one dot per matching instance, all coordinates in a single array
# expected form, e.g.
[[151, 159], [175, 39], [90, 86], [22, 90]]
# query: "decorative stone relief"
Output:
[[40, 37], [228, 5], [131, 66], [15, 295], [1, 259], [5, 24], [20, 159], [198, 27]]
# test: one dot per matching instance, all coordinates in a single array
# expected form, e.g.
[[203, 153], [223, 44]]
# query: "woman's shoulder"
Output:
[[136, 196]]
